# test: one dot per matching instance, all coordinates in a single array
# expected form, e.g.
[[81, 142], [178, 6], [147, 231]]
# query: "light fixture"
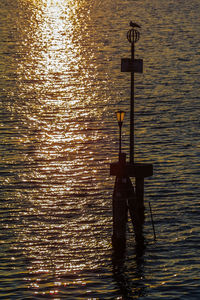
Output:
[[120, 117]]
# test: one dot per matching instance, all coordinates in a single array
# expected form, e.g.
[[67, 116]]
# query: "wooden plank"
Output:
[[135, 170], [129, 65]]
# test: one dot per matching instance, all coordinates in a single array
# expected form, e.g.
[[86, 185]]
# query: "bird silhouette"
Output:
[[134, 25]]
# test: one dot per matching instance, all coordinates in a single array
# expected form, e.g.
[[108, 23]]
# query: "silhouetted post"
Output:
[[120, 210], [154, 233], [132, 108], [134, 66], [125, 195], [139, 185]]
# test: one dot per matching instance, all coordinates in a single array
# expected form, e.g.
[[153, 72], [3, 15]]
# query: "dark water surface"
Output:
[[60, 84]]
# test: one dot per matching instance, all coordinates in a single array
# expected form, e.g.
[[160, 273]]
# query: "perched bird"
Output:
[[134, 25]]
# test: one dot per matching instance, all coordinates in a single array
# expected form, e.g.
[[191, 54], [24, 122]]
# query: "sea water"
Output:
[[60, 85]]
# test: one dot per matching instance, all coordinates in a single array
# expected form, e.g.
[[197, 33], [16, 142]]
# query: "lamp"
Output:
[[120, 117]]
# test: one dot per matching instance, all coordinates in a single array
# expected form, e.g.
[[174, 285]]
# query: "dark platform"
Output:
[[139, 170]]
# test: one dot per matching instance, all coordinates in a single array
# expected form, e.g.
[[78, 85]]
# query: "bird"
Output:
[[134, 25]]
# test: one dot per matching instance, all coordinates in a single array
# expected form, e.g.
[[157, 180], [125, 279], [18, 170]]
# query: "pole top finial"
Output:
[[133, 35]]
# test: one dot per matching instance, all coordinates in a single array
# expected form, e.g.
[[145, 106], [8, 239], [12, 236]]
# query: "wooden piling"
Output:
[[136, 209], [139, 186], [120, 213], [120, 209], [126, 197]]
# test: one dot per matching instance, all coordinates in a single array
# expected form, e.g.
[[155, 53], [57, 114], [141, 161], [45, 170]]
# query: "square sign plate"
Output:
[[129, 65]]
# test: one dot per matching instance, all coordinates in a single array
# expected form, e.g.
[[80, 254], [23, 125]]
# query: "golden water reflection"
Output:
[[59, 82]]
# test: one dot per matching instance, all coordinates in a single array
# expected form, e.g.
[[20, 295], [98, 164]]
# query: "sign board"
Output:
[[129, 65]]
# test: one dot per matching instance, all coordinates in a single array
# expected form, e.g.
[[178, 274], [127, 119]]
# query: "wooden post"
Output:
[[132, 107], [120, 210], [119, 213], [136, 210], [139, 185]]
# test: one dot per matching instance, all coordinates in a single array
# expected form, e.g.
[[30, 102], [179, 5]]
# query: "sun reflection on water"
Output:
[[58, 84]]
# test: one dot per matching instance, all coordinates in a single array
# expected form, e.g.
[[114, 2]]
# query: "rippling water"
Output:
[[60, 84]]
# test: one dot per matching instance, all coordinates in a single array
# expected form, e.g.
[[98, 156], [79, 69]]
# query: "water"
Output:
[[60, 84]]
